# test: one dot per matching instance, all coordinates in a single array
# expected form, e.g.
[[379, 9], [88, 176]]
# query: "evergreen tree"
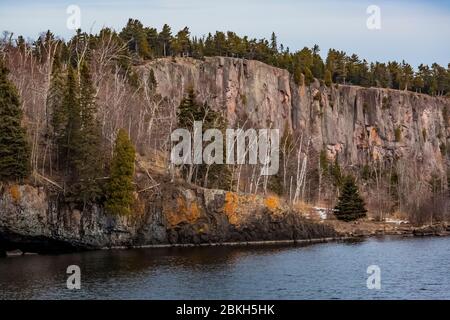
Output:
[[135, 35], [164, 40], [309, 78], [216, 175], [336, 63], [69, 112], [14, 148], [407, 76], [88, 158], [350, 206], [274, 43], [440, 78], [425, 74], [120, 186], [318, 67], [418, 83], [181, 44], [77, 135], [328, 79], [379, 75], [395, 74], [189, 111], [152, 39]]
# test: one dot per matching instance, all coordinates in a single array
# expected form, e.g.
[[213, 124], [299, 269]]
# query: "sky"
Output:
[[416, 31]]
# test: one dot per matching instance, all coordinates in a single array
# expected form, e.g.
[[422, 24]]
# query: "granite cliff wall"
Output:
[[360, 124]]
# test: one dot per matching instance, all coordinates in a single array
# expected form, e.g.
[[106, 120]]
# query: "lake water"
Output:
[[411, 268]]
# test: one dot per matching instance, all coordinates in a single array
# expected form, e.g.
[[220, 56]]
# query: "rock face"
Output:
[[33, 222], [360, 124]]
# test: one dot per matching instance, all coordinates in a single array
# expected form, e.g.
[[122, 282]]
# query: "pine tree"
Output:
[[77, 135], [318, 67], [152, 39], [418, 83], [181, 43], [164, 40], [136, 37], [328, 79], [274, 43], [87, 160], [189, 111], [309, 78], [350, 206], [14, 148], [120, 185], [69, 140], [217, 176], [407, 76]]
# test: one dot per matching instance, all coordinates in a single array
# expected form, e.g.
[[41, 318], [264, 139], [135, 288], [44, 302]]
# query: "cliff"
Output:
[[362, 125]]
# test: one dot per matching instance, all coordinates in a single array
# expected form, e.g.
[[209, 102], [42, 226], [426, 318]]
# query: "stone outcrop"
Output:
[[360, 124], [32, 221]]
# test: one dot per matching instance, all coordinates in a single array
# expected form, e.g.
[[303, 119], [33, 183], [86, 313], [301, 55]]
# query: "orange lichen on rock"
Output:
[[183, 212], [272, 203], [230, 207], [14, 191]]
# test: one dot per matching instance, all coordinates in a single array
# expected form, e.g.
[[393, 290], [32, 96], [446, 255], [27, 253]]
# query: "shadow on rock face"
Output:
[[41, 245]]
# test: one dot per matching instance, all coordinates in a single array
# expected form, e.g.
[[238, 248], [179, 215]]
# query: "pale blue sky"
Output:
[[417, 31]]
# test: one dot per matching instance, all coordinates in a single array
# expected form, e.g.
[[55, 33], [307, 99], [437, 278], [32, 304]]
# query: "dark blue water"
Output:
[[411, 268]]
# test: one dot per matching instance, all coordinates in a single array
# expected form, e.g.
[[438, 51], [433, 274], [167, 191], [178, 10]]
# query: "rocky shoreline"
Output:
[[34, 221], [407, 233], [371, 228]]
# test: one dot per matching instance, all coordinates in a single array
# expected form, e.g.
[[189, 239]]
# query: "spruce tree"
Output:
[[181, 43], [77, 135], [274, 43], [218, 175], [14, 148], [189, 111], [164, 40], [120, 186], [134, 34], [70, 123], [87, 160], [350, 206], [318, 67]]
